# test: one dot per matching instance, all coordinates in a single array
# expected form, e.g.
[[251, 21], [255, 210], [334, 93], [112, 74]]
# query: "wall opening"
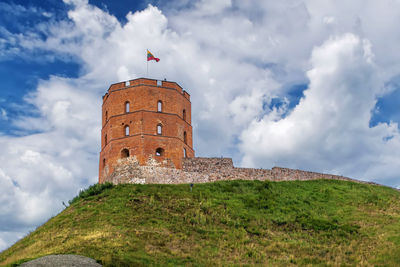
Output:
[[124, 153], [184, 115], [126, 130], [159, 106], [127, 83], [105, 140], [159, 129], [159, 83], [185, 137], [126, 106], [106, 115], [184, 153], [159, 152], [104, 163]]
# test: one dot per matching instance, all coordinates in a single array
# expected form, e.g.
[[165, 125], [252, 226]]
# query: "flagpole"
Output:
[[147, 65]]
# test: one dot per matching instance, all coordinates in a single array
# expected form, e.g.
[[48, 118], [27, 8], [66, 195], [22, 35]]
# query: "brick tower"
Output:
[[146, 119]]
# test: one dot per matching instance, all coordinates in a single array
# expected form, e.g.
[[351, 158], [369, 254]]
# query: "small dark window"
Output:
[[184, 153], [104, 163], [185, 137], [159, 129], [106, 116], [105, 140], [126, 130], [124, 153], [126, 106], [184, 115], [159, 152], [159, 106]]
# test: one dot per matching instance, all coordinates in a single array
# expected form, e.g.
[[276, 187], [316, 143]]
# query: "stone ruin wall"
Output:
[[204, 170]]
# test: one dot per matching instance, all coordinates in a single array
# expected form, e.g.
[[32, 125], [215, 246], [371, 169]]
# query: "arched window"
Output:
[[159, 106], [184, 115], [126, 130], [159, 152], [126, 106], [159, 129], [124, 153], [104, 163], [185, 137], [105, 140], [184, 153], [106, 115]]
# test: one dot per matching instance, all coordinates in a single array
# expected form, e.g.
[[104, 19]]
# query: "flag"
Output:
[[151, 57]]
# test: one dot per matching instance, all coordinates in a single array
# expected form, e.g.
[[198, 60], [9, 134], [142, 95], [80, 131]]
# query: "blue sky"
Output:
[[304, 84], [19, 76]]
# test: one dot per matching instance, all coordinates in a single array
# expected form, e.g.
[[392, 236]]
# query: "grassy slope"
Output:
[[233, 222]]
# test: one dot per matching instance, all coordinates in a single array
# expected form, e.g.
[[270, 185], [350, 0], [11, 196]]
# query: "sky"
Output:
[[305, 84]]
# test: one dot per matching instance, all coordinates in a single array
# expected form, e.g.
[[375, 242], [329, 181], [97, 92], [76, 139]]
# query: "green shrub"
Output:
[[92, 190]]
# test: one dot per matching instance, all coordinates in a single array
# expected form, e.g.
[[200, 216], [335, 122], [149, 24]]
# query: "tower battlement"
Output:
[[149, 82], [147, 119]]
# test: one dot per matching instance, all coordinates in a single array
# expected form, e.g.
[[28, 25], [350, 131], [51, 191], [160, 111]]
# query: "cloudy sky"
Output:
[[312, 85]]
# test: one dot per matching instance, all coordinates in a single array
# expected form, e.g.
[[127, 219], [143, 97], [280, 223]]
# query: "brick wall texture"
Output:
[[132, 111], [204, 170]]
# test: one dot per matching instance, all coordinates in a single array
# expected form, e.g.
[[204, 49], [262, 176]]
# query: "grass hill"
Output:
[[321, 222]]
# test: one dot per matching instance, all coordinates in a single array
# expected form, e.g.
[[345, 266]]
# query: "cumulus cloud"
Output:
[[329, 129], [236, 58]]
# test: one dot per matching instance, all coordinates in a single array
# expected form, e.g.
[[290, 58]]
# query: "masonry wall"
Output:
[[142, 120], [203, 170]]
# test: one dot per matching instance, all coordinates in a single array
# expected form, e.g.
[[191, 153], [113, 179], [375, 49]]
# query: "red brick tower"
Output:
[[147, 119]]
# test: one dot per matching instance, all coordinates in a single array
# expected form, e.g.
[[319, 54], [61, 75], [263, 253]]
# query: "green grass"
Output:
[[322, 223]]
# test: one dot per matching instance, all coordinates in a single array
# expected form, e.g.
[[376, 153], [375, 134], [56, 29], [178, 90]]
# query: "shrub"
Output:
[[92, 190]]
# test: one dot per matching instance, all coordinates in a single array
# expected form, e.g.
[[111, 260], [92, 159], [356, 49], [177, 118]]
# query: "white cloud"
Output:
[[329, 129], [329, 20], [207, 7]]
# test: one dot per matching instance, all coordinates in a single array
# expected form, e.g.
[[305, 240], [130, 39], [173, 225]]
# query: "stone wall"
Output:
[[203, 170]]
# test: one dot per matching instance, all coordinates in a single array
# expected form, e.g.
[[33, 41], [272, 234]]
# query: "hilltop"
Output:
[[321, 222]]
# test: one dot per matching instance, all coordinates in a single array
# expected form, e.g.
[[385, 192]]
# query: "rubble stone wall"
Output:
[[203, 170]]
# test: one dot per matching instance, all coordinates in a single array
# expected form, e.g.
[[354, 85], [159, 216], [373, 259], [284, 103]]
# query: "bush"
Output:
[[91, 191]]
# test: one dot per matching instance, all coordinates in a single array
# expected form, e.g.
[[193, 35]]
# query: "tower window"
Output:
[[126, 106], [185, 137], [106, 115], [184, 115], [126, 130], [104, 163], [159, 129], [184, 153], [159, 152], [159, 106], [105, 140], [124, 153]]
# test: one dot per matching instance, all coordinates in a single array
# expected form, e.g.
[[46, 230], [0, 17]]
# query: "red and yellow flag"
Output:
[[151, 57]]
